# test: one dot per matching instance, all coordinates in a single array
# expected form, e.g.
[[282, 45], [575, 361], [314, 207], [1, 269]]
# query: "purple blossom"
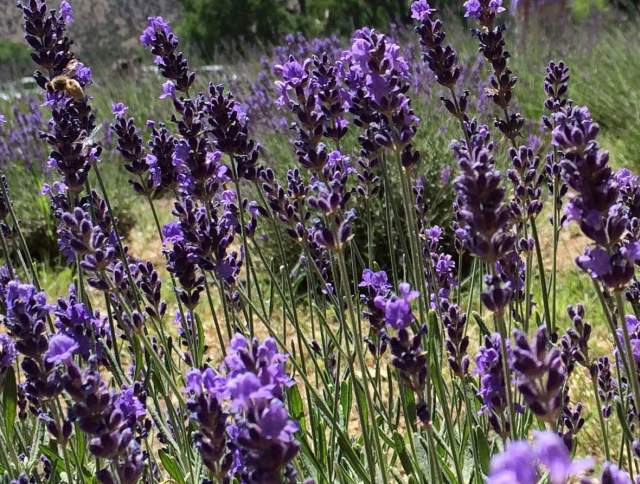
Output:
[[168, 90], [596, 204], [375, 285], [180, 154], [555, 457], [483, 216], [397, 309], [420, 10], [472, 8], [523, 462], [476, 8], [7, 352], [255, 372], [276, 424], [154, 170], [541, 374], [250, 384], [84, 74], [489, 367], [109, 419], [66, 11], [376, 281], [76, 321], [516, 465], [434, 235], [131, 407], [612, 474], [204, 404], [614, 269], [154, 24], [61, 349], [119, 109]]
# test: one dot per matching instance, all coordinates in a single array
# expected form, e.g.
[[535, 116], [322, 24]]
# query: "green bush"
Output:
[[14, 59], [211, 24], [215, 25]]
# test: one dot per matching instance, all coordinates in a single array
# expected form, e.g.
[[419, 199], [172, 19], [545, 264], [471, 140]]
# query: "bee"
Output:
[[491, 91], [65, 82]]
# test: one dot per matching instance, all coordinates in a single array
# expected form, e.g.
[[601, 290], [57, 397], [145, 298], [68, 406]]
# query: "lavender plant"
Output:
[[221, 364]]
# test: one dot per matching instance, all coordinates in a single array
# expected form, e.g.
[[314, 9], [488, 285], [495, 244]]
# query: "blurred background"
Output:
[[105, 31]]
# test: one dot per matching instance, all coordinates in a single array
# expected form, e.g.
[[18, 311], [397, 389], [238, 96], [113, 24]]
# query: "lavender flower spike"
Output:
[[524, 463], [540, 374]]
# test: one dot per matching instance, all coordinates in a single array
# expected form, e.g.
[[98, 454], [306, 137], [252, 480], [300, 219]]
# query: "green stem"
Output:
[[603, 428], [505, 371], [543, 279], [632, 366], [365, 373]]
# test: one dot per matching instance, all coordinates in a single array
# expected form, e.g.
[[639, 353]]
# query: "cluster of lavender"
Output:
[[244, 427], [493, 48], [596, 206], [258, 95], [483, 217], [110, 419], [210, 216], [504, 234], [21, 142], [388, 312]]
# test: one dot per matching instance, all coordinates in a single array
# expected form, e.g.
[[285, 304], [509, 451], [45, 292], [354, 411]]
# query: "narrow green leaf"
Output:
[[484, 453], [36, 445], [171, 466], [356, 461], [483, 327], [400, 447], [623, 421], [296, 407], [362, 400], [346, 400], [201, 341]]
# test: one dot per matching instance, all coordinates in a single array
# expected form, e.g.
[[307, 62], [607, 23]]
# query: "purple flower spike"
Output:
[[492, 384], [541, 374], [66, 11], [555, 457], [421, 10], [483, 216], [205, 389], [410, 360], [483, 9], [26, 318], [163, 44], [168, 90], [524, 463], [155, 24], [374, 285], [517, 464], [110, 419], [612, 474]]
